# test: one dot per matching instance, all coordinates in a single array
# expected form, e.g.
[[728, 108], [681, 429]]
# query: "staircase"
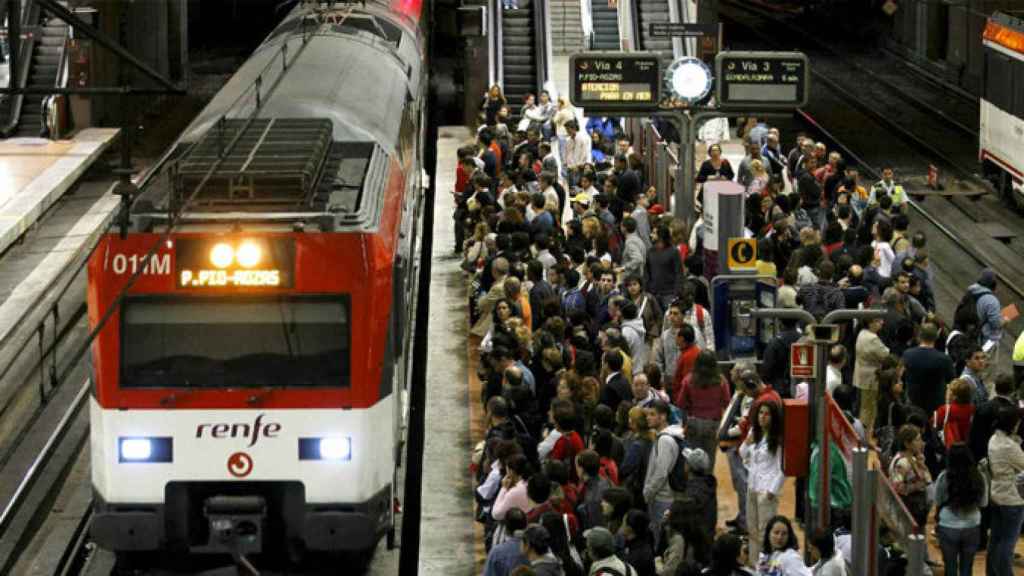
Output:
[[566, 30], [518, 55], [649, 11], [606, 25]]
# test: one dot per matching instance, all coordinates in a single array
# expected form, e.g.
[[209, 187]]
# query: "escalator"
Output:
[[648, 12], [43, 54], [523, 50], [606, 26]]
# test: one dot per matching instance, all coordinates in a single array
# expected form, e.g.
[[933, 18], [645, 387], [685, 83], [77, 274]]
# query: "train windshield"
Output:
[[233, 343]]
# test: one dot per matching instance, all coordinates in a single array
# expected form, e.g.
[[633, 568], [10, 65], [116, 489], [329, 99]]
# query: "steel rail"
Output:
[[876, 173], [823, 46], [39, 464]]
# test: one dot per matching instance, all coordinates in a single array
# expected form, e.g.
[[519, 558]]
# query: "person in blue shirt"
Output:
[[507, 556]]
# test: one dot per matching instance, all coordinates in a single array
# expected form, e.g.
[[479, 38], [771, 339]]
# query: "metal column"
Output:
[[862, 505]]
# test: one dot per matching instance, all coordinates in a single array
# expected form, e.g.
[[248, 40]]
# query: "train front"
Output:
[[240, 397]]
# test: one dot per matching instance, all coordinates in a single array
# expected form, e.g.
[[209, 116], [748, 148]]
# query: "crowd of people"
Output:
[[606, 404]]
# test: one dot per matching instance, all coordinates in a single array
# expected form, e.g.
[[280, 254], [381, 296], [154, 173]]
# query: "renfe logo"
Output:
[[241, 430]]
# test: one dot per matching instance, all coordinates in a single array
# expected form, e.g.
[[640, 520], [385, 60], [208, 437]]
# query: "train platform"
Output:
[[35, 172], [452, 540], [448, 541]]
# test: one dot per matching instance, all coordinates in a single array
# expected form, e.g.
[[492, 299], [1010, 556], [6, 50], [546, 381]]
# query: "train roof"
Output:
[[307, 124]]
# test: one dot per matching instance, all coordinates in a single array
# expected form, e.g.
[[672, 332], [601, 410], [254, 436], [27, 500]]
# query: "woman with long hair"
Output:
[[688, 539], [909, 473], [560, 542], [493, 102], [953, 419], [827, 560], [504, 310], [762, 455], [960, 494], [638, 448], [781, 556], [892, 412], [703, 397]]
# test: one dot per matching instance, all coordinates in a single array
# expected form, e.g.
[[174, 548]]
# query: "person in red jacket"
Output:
[[686, 341], [954, 417], [703, 397], [760, 392]]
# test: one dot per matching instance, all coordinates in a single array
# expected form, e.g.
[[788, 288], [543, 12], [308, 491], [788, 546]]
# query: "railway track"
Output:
[[875, 127]]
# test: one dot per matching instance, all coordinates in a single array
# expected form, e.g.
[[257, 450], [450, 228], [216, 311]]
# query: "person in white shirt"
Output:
[[577, 151], [781, 556], [836, 363], [762, 455]]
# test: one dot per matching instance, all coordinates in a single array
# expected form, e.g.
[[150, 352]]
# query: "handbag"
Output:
[[941, 432], [886, 438], [574, 554]]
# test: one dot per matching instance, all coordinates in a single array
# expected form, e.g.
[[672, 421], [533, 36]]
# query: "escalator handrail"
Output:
[[587, 25], [542, 41], [498, 74], [30, 14], [629, 25], [59, 82]]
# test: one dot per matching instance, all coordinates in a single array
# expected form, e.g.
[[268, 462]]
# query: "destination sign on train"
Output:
[[232, 262], [615, 81], [762, 80]]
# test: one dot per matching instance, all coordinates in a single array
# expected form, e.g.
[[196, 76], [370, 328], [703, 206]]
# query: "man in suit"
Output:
[[616, 388]]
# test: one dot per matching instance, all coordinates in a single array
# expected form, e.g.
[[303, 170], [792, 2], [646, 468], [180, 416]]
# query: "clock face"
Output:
[[688, 79]]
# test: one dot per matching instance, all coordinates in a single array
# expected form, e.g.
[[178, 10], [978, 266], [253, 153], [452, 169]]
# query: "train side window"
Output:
[[999, 88]]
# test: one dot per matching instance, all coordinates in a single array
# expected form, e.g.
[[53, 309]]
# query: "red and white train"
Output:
[[247, 388], [1001, 134]]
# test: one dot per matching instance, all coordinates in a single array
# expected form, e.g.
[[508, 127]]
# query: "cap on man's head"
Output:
[[599, 538], [583, 199], [749, 378], [697, 459], [987, 278], [787, 299]]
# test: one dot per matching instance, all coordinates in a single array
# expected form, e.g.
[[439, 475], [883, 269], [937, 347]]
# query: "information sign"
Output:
[[801, 360], [762, 80], [742, 254], [682, 30], [615, 81]]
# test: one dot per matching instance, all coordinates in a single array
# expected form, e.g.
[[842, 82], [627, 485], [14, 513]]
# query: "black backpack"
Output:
[[966, 316], [677, 475]]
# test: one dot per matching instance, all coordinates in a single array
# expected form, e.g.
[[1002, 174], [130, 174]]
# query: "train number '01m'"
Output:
[[156, 264]]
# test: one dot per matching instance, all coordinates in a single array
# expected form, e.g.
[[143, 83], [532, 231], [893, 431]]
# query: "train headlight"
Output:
[[144, 449], [221, 255], [332, 448], [248, 254]]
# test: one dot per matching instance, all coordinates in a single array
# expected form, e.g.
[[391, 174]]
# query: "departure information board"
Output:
[[759, 80], [615, 81]]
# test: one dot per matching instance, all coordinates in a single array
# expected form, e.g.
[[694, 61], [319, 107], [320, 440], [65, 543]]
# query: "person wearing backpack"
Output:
[[762, 455], [989, 311], [658, 493]]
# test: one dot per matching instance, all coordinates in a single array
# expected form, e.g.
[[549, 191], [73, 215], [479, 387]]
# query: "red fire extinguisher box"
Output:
[[796, 438]]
